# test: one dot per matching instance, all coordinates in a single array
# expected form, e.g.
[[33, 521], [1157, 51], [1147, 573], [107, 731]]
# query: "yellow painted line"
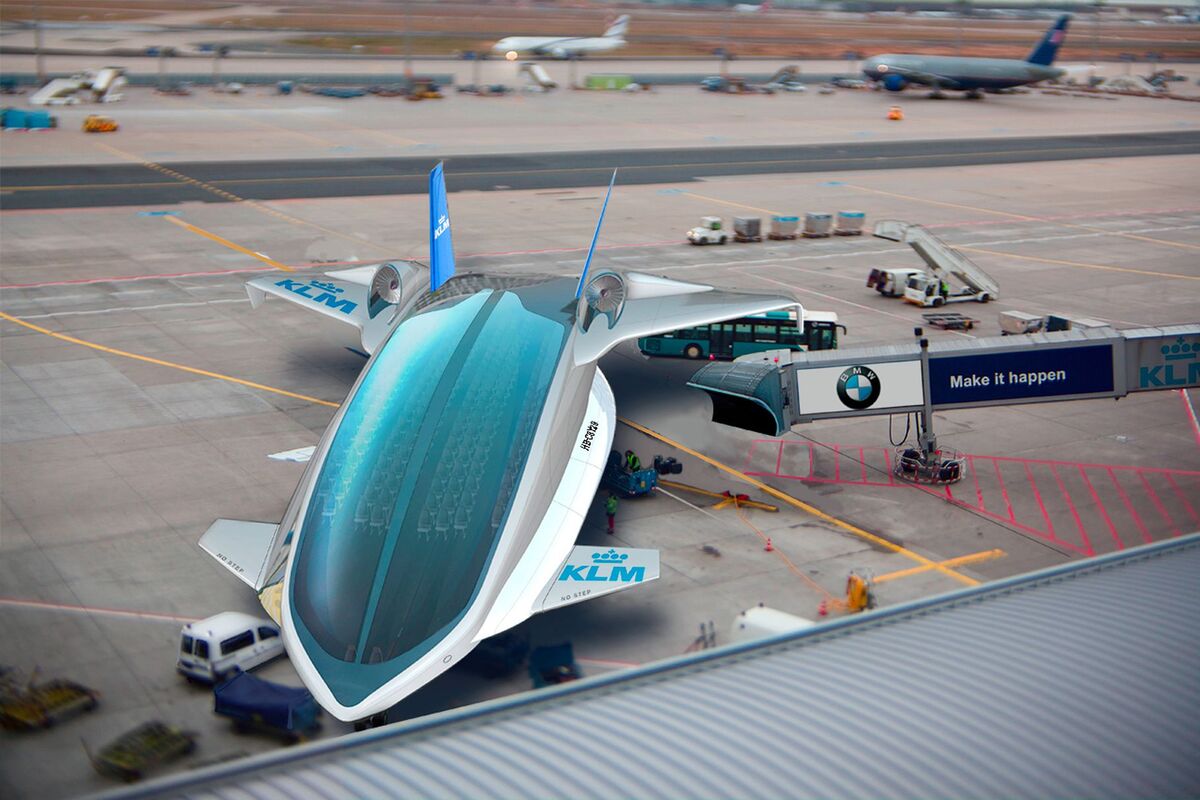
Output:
[[728, 203], [227, 243], [208, 187], [1023, 217], [803, 506], [1083, 264], [160, 362], [939, 202], [973, 558]]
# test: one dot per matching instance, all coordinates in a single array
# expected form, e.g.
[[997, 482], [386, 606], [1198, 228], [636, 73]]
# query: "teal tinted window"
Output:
[[420, 475]]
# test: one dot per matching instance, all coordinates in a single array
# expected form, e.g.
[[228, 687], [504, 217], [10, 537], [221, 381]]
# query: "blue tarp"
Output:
[[245, 697]]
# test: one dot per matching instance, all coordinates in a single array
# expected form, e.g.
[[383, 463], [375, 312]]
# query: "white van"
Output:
[[216, 648]]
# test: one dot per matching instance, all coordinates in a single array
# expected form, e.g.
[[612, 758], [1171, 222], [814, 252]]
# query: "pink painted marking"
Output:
[[1038, 497], [750, 454], [979, 223], [1004, 491], [1158, 504], [108, 612], [837, 464], [1179, 493], [1021, 526], [1137, 518], [1087, 543], [975, 476], [779, 458], [1191, 412], [812, 461], [1094, 466], [862, 460], [1103, 511]]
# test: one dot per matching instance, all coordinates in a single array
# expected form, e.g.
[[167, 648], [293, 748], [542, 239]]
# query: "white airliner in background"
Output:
[[442, 504], [564, 46], [753, 8]]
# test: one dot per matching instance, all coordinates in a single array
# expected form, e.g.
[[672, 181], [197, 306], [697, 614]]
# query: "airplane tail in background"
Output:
[[617, 29], [441, 247], [1047, 48]]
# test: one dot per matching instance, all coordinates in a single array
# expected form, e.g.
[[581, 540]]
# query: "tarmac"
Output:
[[129, 423]]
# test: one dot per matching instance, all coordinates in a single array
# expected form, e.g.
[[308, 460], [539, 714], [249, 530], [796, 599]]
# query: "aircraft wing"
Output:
[[928, 78], [244, 548], [343, 300], [354, 296], [656, 305], [595, 571]]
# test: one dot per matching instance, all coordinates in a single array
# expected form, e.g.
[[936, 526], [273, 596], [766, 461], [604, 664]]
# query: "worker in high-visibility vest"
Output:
[[632, 462], [610, 511]]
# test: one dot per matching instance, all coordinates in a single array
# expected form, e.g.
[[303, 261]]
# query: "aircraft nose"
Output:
[[871, 67]]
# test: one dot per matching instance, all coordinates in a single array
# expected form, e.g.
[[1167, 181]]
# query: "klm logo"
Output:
[[442, 226], [605, 567], [320, 292], [1182, 367]]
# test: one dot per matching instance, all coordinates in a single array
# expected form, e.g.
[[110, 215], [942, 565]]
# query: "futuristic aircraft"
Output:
[[442, 503], [970, 75], [564, 46]]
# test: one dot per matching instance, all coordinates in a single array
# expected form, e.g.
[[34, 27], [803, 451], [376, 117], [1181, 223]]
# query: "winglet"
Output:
[[592, 248], [441, 246], [1047, 48]]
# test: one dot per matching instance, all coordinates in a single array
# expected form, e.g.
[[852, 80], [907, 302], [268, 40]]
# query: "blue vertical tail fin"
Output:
[[1047, 48], [441, 245], [592, 248]]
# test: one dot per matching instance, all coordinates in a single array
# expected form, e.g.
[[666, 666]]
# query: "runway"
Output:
[[152, 184]]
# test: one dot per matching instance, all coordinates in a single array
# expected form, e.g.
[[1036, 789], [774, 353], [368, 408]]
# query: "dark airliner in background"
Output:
[[970, 75]]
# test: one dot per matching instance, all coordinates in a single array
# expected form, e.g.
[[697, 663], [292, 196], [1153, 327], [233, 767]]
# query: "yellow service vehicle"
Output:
[[98, 123]]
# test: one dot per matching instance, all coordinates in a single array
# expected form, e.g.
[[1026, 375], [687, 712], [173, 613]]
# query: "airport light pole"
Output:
[[37, 42], [408, 72]]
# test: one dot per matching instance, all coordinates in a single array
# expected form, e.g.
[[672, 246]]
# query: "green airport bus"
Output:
[[774, 330]]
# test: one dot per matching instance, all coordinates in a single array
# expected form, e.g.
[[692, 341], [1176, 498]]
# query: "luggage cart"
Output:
[[45, 704], [950, 321]]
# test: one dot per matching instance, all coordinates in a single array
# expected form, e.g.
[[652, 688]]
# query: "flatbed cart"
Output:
[[43, 705], [950, 321], [552, 665], [258, 705], [130, 756]]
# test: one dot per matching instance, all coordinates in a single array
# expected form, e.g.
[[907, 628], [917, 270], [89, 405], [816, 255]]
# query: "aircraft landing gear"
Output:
[[974, 94], [374, 721], [937, 94]]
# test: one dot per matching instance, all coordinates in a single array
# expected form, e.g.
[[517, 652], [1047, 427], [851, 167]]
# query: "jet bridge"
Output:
[[784, 388]]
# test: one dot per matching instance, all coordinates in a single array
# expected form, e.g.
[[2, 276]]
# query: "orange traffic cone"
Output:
[[769, 548]]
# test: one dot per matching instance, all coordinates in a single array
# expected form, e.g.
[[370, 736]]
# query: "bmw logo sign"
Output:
[[858, 387]]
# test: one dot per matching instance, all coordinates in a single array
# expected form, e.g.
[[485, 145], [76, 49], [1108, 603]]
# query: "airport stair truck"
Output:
[[934, 289], [537, 75]]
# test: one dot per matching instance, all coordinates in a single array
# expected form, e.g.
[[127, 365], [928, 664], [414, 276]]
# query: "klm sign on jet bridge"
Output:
[[608, 566], [320, 292], [1170, 364]]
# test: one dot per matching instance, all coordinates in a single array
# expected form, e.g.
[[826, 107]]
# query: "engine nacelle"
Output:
[[386, 289], [559, 53], [894, 82]]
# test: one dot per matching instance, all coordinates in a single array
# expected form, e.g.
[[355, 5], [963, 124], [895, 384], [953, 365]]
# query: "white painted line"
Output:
[[132, 308]]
